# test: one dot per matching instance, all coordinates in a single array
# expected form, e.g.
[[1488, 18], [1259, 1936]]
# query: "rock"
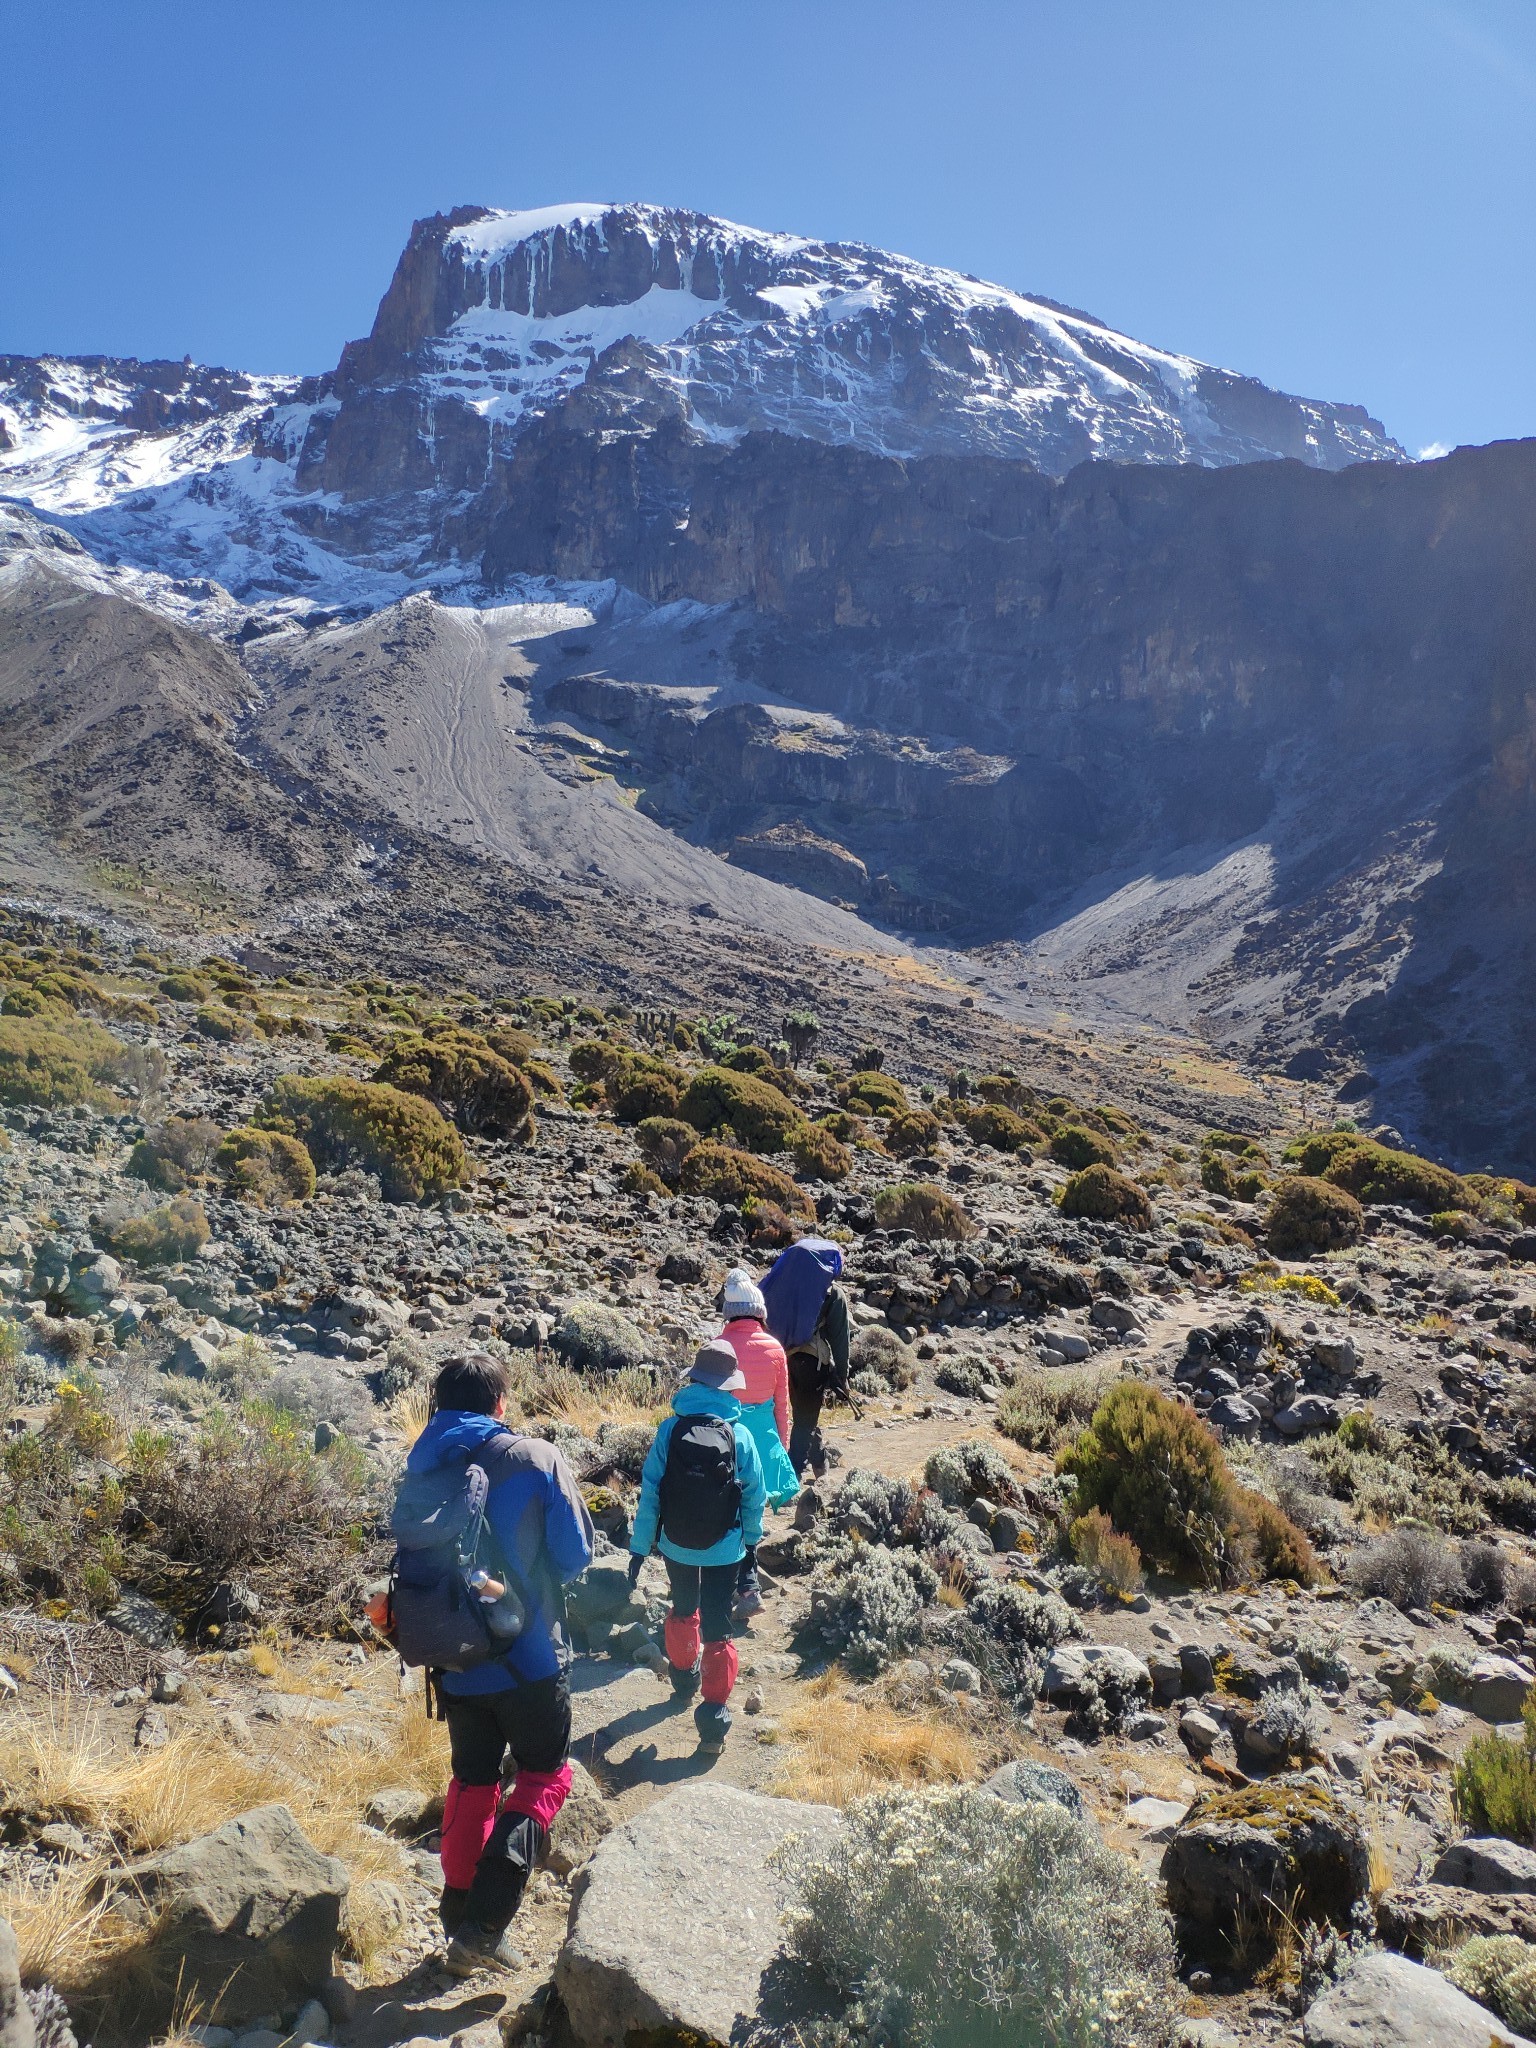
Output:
[[682, 1267], [339, 1997], [1074, 1349], [810, 1506], [1307, 1414], [1008, 1529], [1073, 1667], [1487, 1863], [1497, 1688], [1167, 1677], [1425, 1919], [1199, 1671], [93, 1281], [135, 1616], [1107, 1314], [1156, 1818], [170, 1687], [16, 2029], [956, 1675], [192, 1358], [313, 2024], [401, 1811], [603, 1596], [1385, 2001], [249, 1914], [1201, 1731], [1233, 1414], [1287, 1840], [580, 1824], [1338, 1356], [1023, 1781], [1348, 1760], [649, 1954], [231, 1602], [1143, 1727]]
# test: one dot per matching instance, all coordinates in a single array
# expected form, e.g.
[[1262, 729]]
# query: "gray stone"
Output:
[[1497, 1688], [312, 2024], [402, 1811], [649, 1953], [1487, 1863], [1074, 1349], [1385, 2001], [1337, 1355], [1156, 1818], [1143, 1727], [1074, 1666], [1199, 1671], [153, 1730], [1107, 1314], [250, 1914], [1233, 1414], [1238, 1852], [1307, 1414], [192, 1358], [959, 1676], [1024, 1781], [135, 1616], [1201, 1731], [580, 1825], [15, 2014]]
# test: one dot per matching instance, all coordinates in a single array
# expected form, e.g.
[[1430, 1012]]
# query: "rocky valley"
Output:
[[686, 737]]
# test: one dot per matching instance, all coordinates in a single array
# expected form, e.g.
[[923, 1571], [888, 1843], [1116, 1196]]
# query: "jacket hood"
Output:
[[692, 1399], [451, 1435]]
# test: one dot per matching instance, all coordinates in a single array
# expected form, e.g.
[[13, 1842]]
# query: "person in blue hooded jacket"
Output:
[[702, 1497], [518, 1702]]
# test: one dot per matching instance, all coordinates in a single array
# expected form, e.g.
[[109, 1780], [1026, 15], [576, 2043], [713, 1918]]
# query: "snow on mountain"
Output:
[[348, 490]]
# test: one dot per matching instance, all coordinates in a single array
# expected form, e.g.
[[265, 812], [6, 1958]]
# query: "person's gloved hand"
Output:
[[635, 1562]]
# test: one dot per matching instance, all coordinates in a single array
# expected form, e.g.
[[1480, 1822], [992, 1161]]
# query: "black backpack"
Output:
[[700, 1492], [436, 1618]]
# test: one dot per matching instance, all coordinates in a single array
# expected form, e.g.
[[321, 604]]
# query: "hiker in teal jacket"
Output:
[[728, 1493]]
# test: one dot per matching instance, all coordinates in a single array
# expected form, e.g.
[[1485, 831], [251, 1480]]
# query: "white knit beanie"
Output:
[[743, 1296]]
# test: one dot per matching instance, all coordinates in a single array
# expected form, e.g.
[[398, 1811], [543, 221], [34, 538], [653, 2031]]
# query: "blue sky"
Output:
[[1335, 195]]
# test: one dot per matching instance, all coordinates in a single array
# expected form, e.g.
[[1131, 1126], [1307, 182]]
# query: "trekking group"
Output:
[[490, 1527]]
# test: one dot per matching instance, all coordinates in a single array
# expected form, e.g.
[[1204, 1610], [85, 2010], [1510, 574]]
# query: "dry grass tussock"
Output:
[[552, 1393], [840, 1748], [62, 1765]]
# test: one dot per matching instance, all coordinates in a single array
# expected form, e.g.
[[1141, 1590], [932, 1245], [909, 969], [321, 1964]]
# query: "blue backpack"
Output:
[[437, 1617], [795, 1287]]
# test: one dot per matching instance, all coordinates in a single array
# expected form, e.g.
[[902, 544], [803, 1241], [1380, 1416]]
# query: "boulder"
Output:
[[1234, 1415], [1307, 1414], [580, 1825], [1385, 2001], [650, 1954], [249, 1914], [1074, 1667], [1487, 1863], [192, 1358], [1497, 1688], [94, 1278], [1425, 1919], [15, 2014], [1107, 1314], [1023, 1780], [1242, 1856]]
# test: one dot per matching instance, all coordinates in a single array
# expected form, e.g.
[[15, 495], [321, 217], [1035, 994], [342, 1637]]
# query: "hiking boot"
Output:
[[685, 1682], [450, 1908], [713, 1723], [749, 1595], [476, 1948]]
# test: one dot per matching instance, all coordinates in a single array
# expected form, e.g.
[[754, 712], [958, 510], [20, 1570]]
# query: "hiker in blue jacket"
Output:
[[702, 1497], [519, 1701]]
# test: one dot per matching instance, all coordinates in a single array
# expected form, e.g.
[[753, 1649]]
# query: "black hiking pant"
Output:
[[531, 1722], [708, 1591], [807, 1391]]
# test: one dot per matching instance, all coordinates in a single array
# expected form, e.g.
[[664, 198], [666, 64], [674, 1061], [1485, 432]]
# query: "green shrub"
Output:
[[913, 1131], [510, 1044], [971, 1470], [1494, 1789], [1375, 1173], [593, 1337], [1006, 1089], [175, 1151], [1499, 1971], [725, 1174], [638, 1179], [269, 1168], [1000, 1127], [457, 1071], [665, 1142], [752, 1111], [1388, 1477], [871, 1093], [1308, 1216], [847, 1128], [1045, 1410], [640, 1086], [342, 1123], [957, 1920], [183, 987], [28, 1001], [1077, 1148], [222, 1025], [52, 1061], [1100, 1193], [1113, 1559], [177, 1231], [818, 1155], [593, 1059], [1159, 1474], [879, 1352], [919, 1206]]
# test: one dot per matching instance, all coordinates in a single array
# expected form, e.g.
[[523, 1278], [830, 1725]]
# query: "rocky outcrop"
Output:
[[1242, 1858], [1385, 2001], [677, 1916], [249, 1915]]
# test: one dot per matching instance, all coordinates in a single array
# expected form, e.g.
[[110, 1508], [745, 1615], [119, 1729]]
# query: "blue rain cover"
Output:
[[795, 1286]]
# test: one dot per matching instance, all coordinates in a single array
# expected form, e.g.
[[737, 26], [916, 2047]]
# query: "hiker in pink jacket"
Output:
[[764, 1407]]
